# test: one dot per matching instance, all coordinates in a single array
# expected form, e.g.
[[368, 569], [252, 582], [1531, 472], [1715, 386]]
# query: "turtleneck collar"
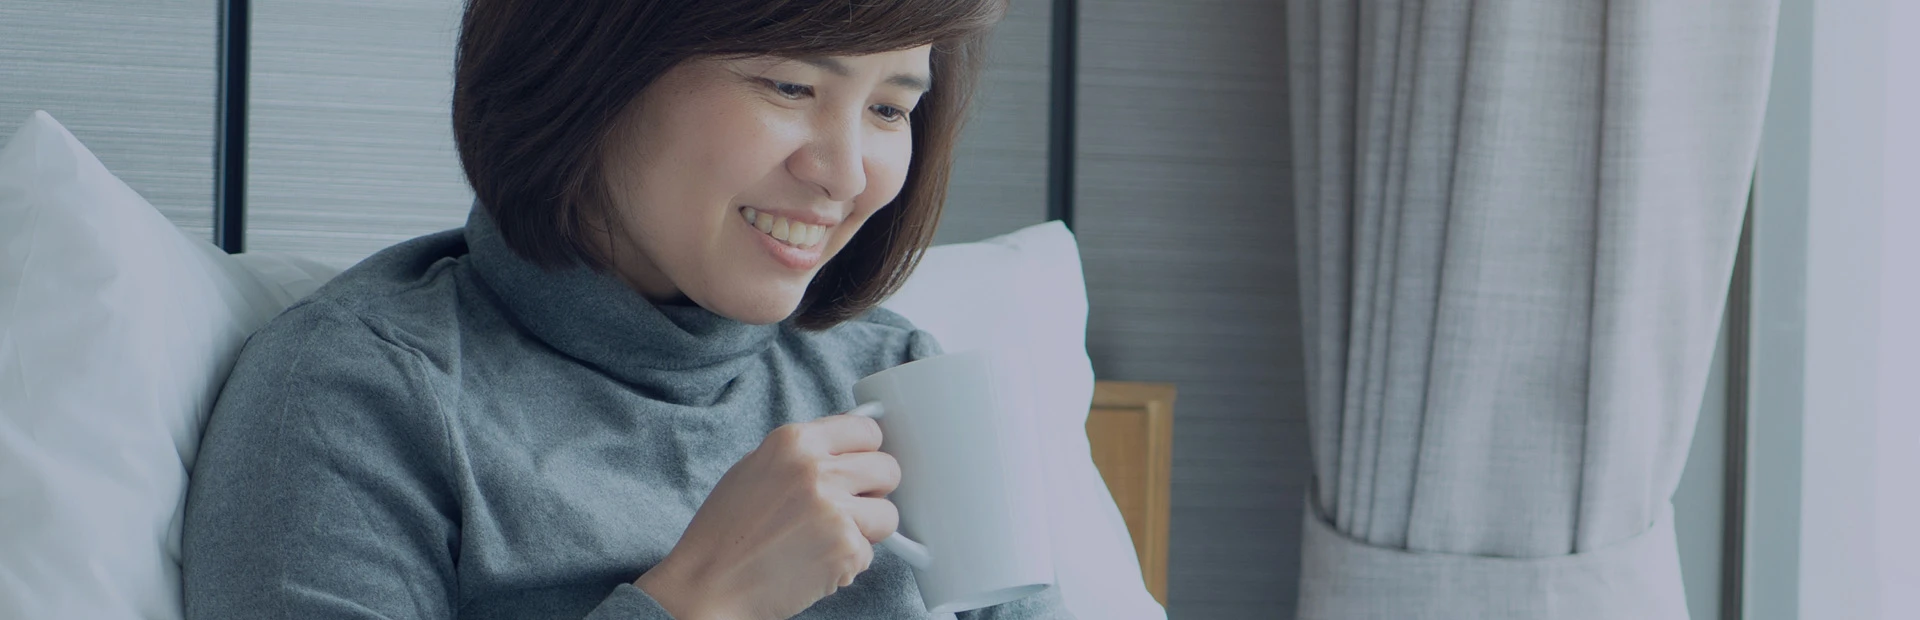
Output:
[[681, 354]]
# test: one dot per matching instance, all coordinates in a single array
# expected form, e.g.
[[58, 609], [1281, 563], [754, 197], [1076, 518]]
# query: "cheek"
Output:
[[736, 147], [887, 170], [710, 145]]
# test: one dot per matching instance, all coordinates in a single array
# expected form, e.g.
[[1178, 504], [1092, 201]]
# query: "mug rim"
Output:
[[967, 353]]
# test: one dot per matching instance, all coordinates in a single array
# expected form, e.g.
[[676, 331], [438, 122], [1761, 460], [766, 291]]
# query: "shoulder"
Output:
[[326, 383], [322, 362], [319, 390], [407, 297], [405, 266], [377, 342]]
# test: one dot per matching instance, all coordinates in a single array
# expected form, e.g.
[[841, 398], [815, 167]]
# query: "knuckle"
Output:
[[787, 436], [863, 556], [801, 482], [854, 553], [825, 504], [845, 564], [814, 472], [801, 467]]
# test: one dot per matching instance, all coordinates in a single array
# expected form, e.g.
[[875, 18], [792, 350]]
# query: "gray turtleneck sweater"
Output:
[[447, 431]]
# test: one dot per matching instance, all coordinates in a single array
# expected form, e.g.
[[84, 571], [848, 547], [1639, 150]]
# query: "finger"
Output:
[[869, 474], [877, 518], [840, 434]]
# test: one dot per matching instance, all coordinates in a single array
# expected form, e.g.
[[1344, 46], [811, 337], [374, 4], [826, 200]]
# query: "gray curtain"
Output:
[[1517, 225]]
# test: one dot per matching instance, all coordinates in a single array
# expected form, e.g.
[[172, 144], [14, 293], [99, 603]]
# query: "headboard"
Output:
[[1130, 431]]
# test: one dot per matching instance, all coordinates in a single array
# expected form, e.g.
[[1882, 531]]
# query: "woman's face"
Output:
[[808, 147]]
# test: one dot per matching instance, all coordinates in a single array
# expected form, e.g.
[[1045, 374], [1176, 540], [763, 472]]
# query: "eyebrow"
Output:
[[903, 80]]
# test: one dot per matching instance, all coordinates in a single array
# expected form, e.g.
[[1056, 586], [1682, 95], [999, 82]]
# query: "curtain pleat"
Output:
[[1517, 223]]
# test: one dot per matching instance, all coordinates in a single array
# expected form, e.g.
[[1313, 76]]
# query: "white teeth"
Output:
[[787, 231]]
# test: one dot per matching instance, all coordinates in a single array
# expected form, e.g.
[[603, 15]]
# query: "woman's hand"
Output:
[[789, 524]]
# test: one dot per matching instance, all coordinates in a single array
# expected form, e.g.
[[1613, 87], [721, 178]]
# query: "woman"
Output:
[[612, 394]]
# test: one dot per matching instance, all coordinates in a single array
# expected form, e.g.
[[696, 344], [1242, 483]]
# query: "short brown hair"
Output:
[[539, 85]]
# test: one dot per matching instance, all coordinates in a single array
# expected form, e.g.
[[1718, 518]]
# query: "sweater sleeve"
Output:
[[324, 484]]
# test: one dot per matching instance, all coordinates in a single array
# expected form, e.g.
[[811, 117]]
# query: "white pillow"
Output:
[[116, 333], [1022, 297]]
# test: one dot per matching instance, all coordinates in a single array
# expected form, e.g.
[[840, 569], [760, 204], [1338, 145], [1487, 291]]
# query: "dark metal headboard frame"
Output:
[[230, 137], [1060, 136]]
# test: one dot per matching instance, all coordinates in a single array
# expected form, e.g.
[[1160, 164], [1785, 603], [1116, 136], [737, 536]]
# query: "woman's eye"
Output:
[[791, 90], [889, 113]]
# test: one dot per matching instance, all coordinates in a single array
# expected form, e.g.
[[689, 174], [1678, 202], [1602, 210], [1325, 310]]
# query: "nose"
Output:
[[832, 160]]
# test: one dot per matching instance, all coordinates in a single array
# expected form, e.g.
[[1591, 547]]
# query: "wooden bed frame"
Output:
[[1130, 430]]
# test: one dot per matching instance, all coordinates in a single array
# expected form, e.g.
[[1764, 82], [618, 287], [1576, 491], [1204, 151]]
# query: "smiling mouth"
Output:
[[788, 232]]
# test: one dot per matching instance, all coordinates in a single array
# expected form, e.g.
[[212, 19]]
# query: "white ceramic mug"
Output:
[[972, 517]]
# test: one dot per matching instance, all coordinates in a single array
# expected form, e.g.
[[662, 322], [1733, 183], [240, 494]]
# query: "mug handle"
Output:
[[914, 553]]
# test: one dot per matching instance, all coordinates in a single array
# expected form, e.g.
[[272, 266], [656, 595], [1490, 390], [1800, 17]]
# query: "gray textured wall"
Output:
[[134, 80], [1183, 216], [1000, 173], [350, 140]]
